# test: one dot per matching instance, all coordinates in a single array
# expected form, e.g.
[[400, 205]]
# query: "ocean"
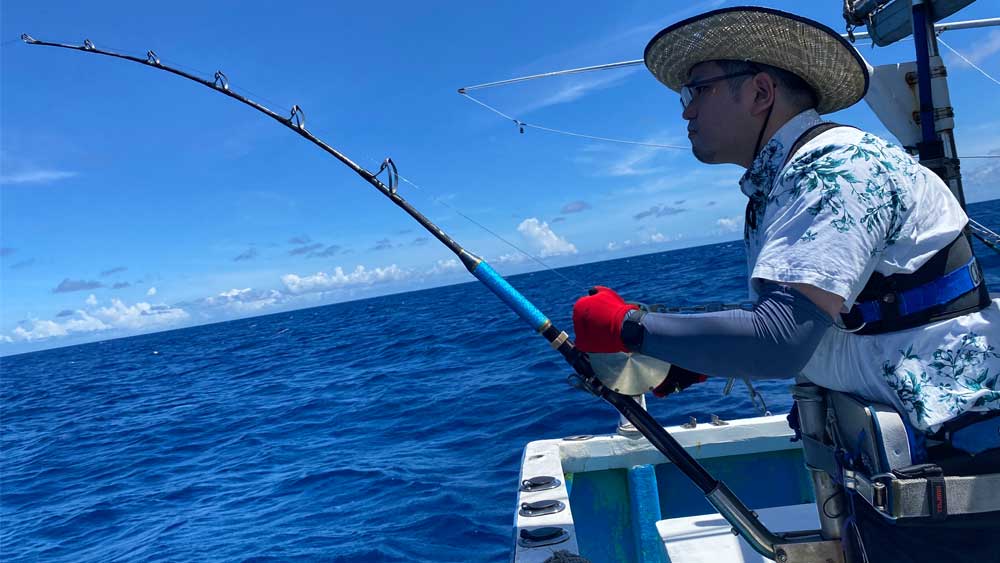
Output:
[[388, 429]]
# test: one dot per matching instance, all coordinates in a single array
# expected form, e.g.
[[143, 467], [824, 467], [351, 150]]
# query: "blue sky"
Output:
[[133, 201]]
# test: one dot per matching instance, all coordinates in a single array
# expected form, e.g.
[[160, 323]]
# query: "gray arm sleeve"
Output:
[[774, 340]]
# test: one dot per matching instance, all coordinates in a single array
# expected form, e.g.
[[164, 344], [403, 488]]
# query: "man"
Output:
[[863, 280]]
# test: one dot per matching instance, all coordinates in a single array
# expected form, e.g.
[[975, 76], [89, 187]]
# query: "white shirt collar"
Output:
[[759, 178]]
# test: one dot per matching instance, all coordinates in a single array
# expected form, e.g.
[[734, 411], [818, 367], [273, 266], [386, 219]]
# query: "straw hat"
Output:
[[809, 49]]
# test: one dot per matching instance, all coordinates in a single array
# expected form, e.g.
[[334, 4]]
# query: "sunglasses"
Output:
[[692, 90]]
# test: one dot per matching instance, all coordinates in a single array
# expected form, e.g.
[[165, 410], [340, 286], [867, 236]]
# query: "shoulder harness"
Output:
[[949, 285]]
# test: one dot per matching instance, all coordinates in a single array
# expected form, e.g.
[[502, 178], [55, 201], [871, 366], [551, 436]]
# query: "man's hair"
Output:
[[798, 92]]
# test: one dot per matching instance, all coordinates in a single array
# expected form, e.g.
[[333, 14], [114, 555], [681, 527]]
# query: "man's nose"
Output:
[[689, 112]]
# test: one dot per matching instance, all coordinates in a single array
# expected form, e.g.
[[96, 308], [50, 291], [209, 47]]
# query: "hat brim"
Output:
[[814, 52]]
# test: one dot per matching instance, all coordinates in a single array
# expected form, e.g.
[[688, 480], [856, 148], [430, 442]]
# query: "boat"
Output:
[[617, 497]]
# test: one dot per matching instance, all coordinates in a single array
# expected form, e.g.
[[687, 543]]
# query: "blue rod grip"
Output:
[[509, 295]]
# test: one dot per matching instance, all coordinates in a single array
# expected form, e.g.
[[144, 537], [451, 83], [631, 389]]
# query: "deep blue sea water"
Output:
[[388, 429]]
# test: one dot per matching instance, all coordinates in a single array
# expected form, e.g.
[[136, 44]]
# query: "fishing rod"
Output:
[[744, 521]]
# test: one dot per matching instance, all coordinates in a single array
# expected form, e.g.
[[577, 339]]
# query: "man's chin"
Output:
[[703, 155]]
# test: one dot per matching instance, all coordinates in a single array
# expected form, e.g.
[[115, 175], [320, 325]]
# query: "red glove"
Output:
[[597, 321], [678, 379]]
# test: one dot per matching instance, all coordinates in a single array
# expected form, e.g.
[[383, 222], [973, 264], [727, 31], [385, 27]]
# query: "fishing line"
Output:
[[522, 124], [972, 64], [745, 522], [575, 282]]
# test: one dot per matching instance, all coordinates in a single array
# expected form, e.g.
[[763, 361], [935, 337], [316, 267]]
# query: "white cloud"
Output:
[[640, 160], [444, 267], [42, 329], [244, 300], [576, 87], [322, 281], [545, 240], [151, 292], [511, 258], [142, 315], [612, 245], [658, 237], [730, 224], [36, 177], [118, 315]]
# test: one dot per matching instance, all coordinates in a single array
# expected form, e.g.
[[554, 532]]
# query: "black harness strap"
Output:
[[886, 291]]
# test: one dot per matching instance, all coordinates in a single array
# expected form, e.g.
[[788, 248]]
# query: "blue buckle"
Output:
[[936, 292]]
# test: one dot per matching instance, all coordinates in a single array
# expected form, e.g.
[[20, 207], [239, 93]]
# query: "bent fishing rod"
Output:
[[716, 492]]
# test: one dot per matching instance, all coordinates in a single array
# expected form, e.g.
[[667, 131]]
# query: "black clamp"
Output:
[[151, 58], [88, 45]]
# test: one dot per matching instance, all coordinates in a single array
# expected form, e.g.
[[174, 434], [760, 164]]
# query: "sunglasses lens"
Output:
[[686, 96]]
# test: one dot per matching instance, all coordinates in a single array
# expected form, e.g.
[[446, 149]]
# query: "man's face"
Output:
[[717, 120]]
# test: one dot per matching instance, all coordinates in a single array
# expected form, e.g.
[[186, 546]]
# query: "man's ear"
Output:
[[763, 92]]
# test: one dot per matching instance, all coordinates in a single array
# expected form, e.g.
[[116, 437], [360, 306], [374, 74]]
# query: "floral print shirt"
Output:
[[848, 204]]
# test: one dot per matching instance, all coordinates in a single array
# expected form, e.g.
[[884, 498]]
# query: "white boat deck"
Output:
[[708, 538], [691, 538]]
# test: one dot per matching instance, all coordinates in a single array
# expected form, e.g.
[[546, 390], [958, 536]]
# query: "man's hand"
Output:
[[597, 321], [678, 379]]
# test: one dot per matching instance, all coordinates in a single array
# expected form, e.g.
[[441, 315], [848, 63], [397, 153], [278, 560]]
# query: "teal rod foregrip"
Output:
[[510, 296]]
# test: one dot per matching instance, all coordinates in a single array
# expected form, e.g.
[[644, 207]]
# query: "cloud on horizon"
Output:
[[382, 244], [116, 316], [112, 271], [544, 240], [119, 318], [575, 207], [248, 254], [308, 249], [338, 279], [330, 250], [68, 285], [730, 224], [658, 211]]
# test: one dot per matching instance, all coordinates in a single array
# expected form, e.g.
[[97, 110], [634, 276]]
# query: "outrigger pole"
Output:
[[938, 28], [744, 521]]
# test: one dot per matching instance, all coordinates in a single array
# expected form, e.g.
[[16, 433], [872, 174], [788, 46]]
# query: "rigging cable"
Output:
[[972, 64], [522, 124], [984, 234]]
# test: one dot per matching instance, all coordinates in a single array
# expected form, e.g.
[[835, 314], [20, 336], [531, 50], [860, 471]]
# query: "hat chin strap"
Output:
[[760, 136]]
